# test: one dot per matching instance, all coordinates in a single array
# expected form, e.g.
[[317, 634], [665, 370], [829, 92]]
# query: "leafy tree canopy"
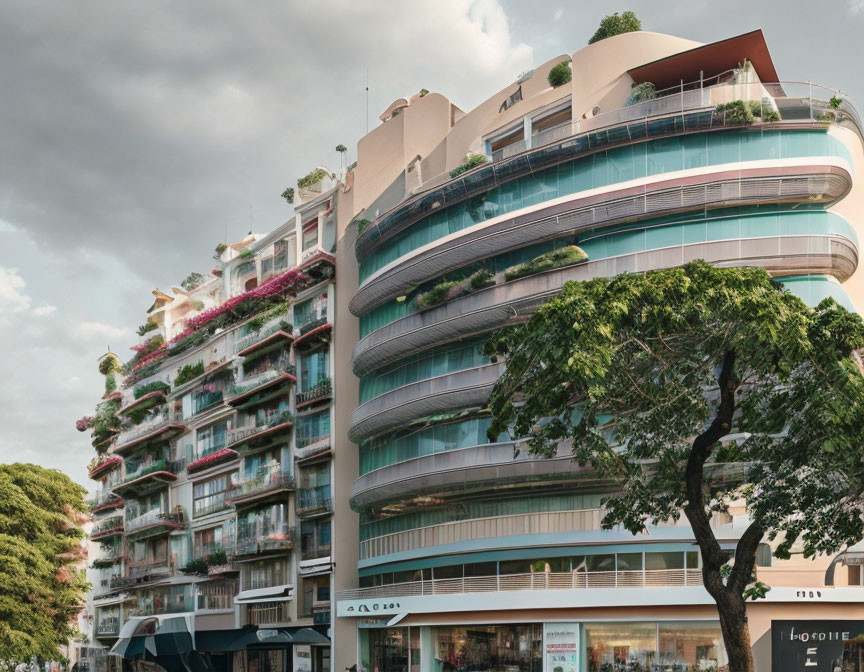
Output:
[[40, 533], [615, 24], [192, 281], [692, 387]]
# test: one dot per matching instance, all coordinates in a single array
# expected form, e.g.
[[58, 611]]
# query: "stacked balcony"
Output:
[[262, 539], [275, 332], [245, 437], [161, 427], [261, 388], [153, 523], [109, 527], [148, 478], [312, 502], [269, 482], [104, 502], [317, 393]]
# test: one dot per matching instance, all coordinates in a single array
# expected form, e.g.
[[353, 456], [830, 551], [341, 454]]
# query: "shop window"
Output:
[[670, 560], [515, 648], [448, 572], [388, 649]]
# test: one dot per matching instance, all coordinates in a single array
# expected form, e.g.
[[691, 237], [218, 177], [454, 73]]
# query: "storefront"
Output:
[[817, 646], [612, 646]]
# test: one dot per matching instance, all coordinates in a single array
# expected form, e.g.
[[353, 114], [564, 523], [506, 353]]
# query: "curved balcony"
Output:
[[261, 388], [279, 538], [784, 181], [277, 331], [801, 104], [498, 305], [316, 332], [317, 264], [161, 428], [148, 400], [244, 437], [103, 465], [462, 472], [315, 501], [147, 479], [220, 456], [105, 502], [153, 523], [423, 398], [107, 528], [269, 483], [647, 578]]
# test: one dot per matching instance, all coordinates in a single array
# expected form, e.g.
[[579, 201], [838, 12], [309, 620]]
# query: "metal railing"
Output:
[[143, 429], [268, 478], [108, 626], [538, 139], [323, 388], [314, 499], [107, 525], [321, 617], [152, 518], [575, 580], [104, 499], [149, 468], [270, 538], [137, 571], [254, 382], [243, 433], [318, 321], [267, 613], [275, 325]]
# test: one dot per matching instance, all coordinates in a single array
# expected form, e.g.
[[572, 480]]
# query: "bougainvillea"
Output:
[[241, 306], [84, 423]]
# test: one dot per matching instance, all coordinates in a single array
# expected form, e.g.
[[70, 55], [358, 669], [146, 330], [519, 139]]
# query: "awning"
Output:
[[224, 640], [262, 594], [308, 636], [168, 636]]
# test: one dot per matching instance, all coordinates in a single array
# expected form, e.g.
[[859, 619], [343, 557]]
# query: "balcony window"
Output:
[[260, 464], [312, 428], [262, 524], [284, 254], [167, 600], [316, 591], [310, 238], [272, 361], [216, 595], [264, 574], [203, 397], [207, 542], [314, 368], [209, 496], [311, 311], [210, 439], [266, 268], [315, 540], [145, 504]]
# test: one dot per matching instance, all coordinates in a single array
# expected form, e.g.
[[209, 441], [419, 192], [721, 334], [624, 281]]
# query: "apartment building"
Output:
[[213, 507], [325, 468], [657, 151]]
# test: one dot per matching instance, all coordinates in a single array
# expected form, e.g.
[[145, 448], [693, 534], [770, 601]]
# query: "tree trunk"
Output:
[[736, 634]]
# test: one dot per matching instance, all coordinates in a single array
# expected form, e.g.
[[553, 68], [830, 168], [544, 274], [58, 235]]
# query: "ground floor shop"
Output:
[[787, 637]]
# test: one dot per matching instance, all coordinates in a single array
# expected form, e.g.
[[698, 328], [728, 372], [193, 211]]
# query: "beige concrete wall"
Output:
[[346, 524], [852, 208]]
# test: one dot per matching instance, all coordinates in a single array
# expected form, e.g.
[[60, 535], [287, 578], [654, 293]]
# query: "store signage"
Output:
[[372, 606], [302, 658], [814, 646], [561, 642]]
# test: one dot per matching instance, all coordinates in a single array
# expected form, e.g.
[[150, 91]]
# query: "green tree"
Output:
[[41, 513], [192, 281], [688, 388], [615, 24]]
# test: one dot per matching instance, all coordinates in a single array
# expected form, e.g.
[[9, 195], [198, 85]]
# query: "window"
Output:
[[216, 595], [267, 523], [314, 540], [312, 428], [310, 311], [310, 238], [209, 496], [314, 368], [203, 397], [283, 254], [210, 439], [512, 647], [213, 539], [267, 463], [265, 574]]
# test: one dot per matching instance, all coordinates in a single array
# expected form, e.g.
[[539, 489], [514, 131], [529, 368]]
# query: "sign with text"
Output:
[[561, 641], [814, 646]]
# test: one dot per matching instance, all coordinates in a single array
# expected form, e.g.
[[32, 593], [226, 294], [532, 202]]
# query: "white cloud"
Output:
[[44, 309], [856, 7], [558, 14], [12, 300], [90, 330]]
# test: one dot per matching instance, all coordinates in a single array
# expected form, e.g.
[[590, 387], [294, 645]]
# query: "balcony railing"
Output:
[[267, 613], [217, 601], [241, 435], [651, 578], [105, 501], [314, 500], [251, 385], [273, 331], [150, 608], [313, 322], [146, 430], [155, 518], [323, 389], [269, 479], [108, 627], [314, 551], [214, 503], [321, 617], [139, 572], [261, 539], [107, 527]]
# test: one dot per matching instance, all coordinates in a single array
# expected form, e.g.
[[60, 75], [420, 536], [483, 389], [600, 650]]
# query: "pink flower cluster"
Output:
[[276, 285], [212, 457], [84, 423]]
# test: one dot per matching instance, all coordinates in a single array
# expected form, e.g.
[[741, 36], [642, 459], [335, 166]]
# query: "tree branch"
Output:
[[745, 559], [712, 555]]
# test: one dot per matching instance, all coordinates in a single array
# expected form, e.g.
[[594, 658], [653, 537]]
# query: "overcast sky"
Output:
[[134, 135]]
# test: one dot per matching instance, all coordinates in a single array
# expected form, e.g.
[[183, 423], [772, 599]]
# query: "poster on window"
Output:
[[817, 646], [561, 641], [302, 658]]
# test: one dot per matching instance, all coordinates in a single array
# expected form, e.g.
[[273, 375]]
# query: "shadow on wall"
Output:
[[762, 652]]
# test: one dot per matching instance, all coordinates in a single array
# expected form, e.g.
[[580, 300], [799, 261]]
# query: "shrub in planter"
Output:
[[155, 386], [195, 567], [439, 293], [764, 111], [835, 102], [736, 112], [362, 224], [481, 279], [188, 372], [642, 92], [560, 74], [311, 178], [109, 364], [288, 195], [148, 326], [565, 256], [220, 248], [471, 162], [217, 558]]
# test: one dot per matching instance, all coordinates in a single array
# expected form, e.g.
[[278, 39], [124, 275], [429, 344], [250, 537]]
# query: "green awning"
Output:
[[224, 640]]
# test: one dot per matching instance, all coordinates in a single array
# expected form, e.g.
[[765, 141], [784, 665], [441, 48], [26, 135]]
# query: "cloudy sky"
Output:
[[135, 135]]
